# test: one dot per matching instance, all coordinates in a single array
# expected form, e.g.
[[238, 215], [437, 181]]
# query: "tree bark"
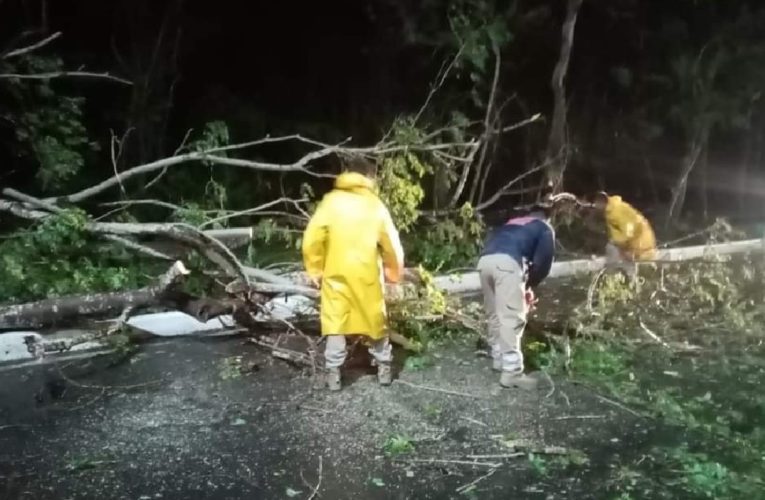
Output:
[[557, 147], [50, 312]]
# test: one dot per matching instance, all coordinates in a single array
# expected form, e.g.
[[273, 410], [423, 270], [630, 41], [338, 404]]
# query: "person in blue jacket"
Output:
[[516, 258]]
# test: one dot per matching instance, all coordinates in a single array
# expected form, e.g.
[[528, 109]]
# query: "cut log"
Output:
[[50, 312], [468, 283]]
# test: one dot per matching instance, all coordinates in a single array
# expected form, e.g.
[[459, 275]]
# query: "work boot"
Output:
[[384, 376], [333, 379], [517, 380]]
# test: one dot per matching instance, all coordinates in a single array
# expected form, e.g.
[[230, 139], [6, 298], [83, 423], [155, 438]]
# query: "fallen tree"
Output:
[[165, 293]]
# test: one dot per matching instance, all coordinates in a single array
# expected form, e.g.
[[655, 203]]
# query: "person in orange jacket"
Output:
[[630, 236], [350, 248]]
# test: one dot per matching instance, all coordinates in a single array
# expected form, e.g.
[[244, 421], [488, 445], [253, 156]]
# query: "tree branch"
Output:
[[31, 48], [252, 210], [65, 74], [556, 144], [504, 189], [487, 124], [184, 234]]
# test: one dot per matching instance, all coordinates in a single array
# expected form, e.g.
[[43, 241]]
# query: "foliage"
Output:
[[57, 257], [720, 292], [416, 363], [702, 476], [450, 243], [716, 444], [400, 184], [478, 29], [398, 445], [538, 464], [231, 367], [424, 314], [48, 125], [214, 135]]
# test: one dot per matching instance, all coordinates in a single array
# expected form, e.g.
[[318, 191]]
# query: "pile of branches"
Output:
[[467, 157], [245, 290]]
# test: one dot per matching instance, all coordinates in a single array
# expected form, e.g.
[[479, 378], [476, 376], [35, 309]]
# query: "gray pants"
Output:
[[504, 293], [335, 351], [614, 260]]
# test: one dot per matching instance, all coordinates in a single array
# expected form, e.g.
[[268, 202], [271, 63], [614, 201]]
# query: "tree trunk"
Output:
[[703, 192], [50, 312], [697, 145], [557, 147]]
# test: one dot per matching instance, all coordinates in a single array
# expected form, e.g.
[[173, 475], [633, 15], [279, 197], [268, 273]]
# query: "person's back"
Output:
[[520, 239], [516, 257], [350, 244], [356, 219]]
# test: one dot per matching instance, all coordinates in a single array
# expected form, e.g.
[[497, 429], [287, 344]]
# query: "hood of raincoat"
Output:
[[352, 181]]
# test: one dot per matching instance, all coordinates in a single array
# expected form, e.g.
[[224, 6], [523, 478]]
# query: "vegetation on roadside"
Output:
[[684, 349]]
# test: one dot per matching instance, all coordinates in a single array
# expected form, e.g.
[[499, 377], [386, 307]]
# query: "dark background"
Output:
[[339, 69]]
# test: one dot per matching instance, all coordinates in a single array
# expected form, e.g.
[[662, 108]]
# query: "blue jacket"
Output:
[[530, 241]]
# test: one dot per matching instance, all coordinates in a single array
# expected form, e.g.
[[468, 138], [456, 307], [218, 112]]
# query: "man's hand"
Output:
[[316, 282], [531, 300]]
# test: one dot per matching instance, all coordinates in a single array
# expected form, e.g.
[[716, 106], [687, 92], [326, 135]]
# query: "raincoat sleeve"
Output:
[[314, 242], [390, 246]]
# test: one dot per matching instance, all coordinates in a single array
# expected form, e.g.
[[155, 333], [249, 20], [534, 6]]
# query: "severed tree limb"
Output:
[[184, 234], [30, 48], [132, 245], [65, 74], [50, 312], [31, 200], [300, 165]]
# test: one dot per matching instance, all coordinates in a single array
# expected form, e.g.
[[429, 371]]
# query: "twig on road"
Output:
[[436, 389], [471, 484]]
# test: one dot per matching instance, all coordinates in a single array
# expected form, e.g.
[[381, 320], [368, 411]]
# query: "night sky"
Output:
[[344, 68]]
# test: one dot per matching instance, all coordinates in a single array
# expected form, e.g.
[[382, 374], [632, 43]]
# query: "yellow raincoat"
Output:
[[350, 244], [629, 230]]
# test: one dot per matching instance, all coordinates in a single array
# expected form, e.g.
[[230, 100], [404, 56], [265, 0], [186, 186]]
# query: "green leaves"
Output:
[[400, 187], [48, 126], [214, 135], [477, 28], [58, 257], [452, 242], [398, 445]]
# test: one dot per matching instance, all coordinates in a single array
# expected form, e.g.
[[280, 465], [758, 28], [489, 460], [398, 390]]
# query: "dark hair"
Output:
[[360, 165]]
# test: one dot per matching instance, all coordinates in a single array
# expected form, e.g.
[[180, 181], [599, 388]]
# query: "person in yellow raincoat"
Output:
[[630, 235], [349, 248]]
